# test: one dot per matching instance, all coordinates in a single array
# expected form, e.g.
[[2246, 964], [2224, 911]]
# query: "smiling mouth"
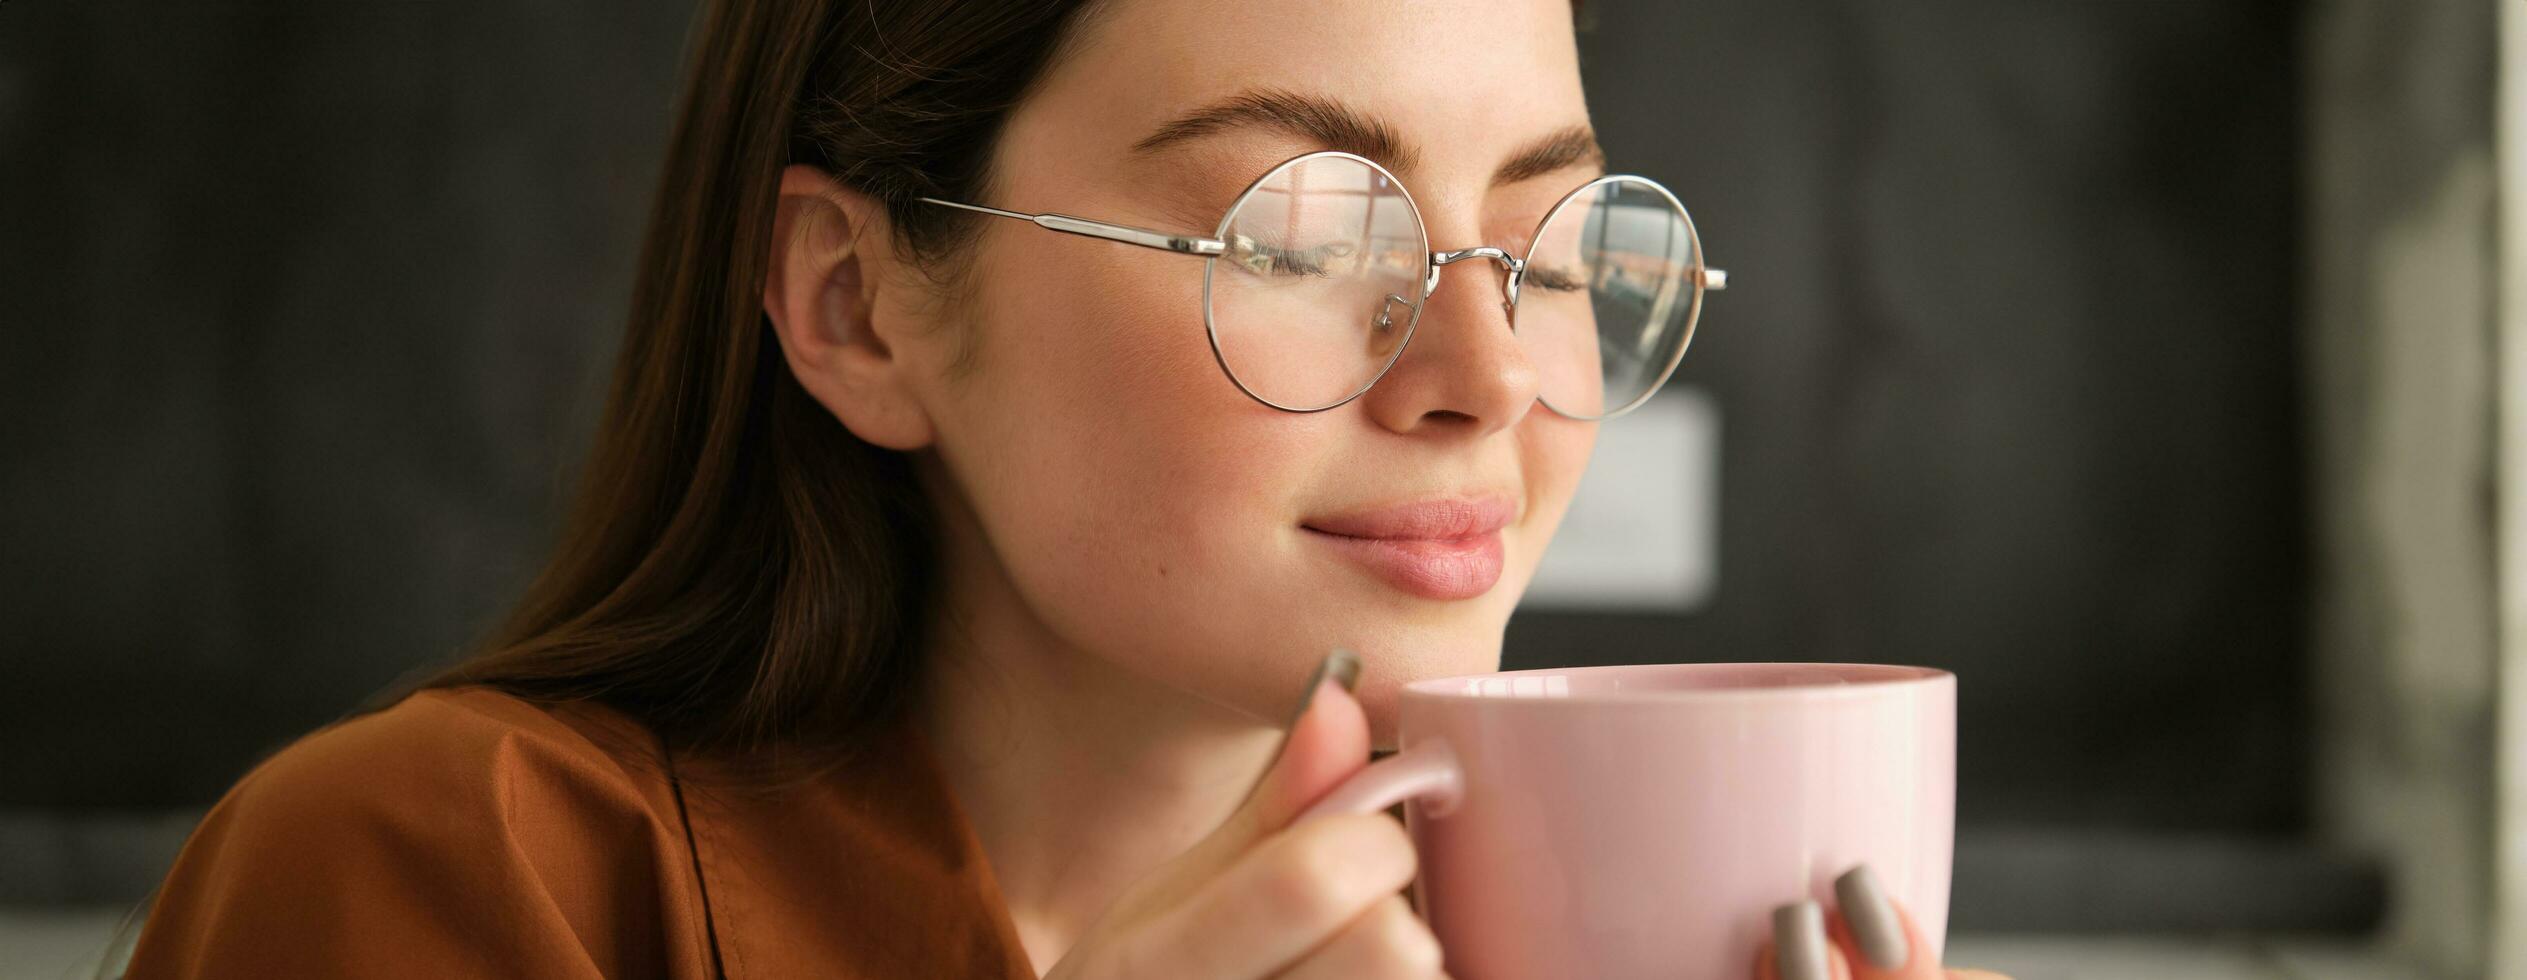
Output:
[[1447, 549], [1433, 568]]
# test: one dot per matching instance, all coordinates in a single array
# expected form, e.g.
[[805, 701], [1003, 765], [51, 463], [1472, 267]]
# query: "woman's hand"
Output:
[[1262, 898], [1868, 937]]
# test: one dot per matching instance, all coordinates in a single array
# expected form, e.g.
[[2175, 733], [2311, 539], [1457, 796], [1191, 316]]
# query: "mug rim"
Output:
[[1455, 689]]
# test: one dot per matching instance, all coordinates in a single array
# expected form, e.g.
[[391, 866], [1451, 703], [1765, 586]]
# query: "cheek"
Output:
[[1125, 484], [1552, 454], [1146, 510], [1109, 409]]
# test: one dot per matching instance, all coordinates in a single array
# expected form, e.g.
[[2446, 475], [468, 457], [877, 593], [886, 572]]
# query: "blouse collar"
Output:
[[873, 872]]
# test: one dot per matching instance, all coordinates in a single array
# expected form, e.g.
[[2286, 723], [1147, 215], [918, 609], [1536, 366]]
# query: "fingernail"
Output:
[[1798, 941], [1341, 665], [1871, 917]]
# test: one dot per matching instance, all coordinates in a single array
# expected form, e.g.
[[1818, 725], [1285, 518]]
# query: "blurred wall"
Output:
[[2400, 301], [2509, 828], [2009, 377], [307, 305]]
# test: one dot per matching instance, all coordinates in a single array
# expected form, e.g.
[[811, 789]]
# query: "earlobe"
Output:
[[822, 291]]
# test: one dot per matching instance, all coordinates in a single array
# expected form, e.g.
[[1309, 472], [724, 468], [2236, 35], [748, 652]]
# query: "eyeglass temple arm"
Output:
[[1126, 234], [1710, 278]]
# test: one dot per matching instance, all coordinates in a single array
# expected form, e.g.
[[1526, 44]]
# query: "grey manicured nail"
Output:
[[1798, 941], [1341, 665], [1871, 917]]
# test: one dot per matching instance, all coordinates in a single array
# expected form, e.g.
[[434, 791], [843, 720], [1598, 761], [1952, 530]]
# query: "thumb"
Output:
[[1328, 740]]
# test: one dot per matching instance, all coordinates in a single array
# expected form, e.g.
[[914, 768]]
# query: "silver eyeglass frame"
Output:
[[1702, 277]]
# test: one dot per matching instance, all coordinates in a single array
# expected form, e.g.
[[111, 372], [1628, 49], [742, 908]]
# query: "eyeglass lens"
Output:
[[1321, 284]]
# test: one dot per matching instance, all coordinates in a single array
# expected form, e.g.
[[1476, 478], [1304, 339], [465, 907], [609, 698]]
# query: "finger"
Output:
[[1328, 740], [1798, 949], [1326, 744], [1872, 929], [1291, 893], [1388, 940]]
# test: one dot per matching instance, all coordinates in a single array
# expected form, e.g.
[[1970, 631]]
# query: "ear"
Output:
[[830, 261]]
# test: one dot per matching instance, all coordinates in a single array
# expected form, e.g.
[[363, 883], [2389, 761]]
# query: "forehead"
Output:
[[1459, 87]]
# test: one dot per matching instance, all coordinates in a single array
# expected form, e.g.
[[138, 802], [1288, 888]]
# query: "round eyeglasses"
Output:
[[1318, 273]]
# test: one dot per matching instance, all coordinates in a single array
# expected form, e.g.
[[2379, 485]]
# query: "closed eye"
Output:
[[1552, 279], [1267, 259]]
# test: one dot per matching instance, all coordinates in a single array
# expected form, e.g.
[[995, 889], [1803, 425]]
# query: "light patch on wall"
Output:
[[1642, 532]]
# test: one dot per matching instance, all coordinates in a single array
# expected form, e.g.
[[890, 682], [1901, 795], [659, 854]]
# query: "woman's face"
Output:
[[1142, 507]]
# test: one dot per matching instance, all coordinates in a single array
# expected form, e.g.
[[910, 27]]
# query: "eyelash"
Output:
[[1551, 280], [1257, 257], [1263, 259]]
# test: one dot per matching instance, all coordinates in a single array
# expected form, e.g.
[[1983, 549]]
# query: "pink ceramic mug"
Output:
[[1643, 821]]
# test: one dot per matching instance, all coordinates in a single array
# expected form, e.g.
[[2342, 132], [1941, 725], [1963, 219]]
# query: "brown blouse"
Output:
[[468, 833]]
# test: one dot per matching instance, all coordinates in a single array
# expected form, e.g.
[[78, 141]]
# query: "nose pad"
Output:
[[1385, 318]]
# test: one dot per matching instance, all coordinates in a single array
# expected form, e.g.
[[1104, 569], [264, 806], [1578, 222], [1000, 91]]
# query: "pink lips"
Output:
[[1437, 549]]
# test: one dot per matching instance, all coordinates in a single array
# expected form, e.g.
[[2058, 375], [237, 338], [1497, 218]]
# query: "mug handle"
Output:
[[1427, 771]]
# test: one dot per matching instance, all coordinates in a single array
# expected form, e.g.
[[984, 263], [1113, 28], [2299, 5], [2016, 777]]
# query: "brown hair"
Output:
[[736, 570]]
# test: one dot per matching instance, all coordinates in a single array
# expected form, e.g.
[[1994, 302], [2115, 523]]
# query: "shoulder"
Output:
[[464, 752], [458, 830]]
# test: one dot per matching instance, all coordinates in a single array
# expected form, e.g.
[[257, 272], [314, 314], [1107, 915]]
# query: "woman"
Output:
[[936, 592]]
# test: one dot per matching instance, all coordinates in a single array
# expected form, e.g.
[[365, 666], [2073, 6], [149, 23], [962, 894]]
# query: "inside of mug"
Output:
[[1669, 680]]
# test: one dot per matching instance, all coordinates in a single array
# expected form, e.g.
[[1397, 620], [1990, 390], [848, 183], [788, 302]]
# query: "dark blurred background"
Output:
[[2035, 367]]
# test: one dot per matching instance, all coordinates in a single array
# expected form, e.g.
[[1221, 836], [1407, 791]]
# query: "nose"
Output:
[[1464, 369]]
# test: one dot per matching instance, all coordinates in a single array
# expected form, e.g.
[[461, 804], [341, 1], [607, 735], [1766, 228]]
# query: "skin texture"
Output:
[[1131, 604]]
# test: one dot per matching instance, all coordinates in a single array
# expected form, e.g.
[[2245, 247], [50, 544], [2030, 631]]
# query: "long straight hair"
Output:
[[736, 570]]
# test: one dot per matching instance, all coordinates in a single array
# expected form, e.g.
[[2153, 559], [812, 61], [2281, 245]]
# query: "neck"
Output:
[[1078, 776]]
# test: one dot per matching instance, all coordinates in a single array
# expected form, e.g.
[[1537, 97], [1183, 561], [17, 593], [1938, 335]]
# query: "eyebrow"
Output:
[[1339, 127], [1566, 147]]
